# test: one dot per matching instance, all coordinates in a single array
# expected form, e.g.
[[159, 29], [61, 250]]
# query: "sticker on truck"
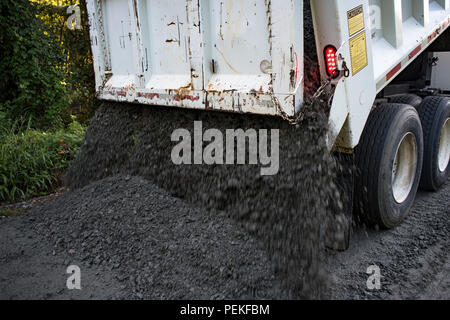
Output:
[[358, 52], [355, 19]]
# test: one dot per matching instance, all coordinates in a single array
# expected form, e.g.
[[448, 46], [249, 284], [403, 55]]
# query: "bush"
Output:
[[31, 82], [31, 161], [78, 70]]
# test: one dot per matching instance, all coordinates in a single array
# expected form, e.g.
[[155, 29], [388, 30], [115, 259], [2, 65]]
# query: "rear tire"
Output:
[[411, 99], [389, 162], [434, 113]]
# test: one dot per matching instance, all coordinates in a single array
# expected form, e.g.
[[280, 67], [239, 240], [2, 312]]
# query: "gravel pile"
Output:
[[157, 246], [287, 212]]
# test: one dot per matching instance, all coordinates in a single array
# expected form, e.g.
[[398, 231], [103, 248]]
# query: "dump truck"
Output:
[[376, 60]]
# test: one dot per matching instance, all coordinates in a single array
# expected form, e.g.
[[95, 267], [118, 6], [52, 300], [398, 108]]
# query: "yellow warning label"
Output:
[[358, 52], [355, 19]]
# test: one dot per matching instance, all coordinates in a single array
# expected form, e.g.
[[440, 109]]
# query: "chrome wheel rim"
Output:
[[404, 168], [444, 147]]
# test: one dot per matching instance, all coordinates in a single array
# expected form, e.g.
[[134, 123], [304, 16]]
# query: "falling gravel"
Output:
[[292, 213], [287, 212]]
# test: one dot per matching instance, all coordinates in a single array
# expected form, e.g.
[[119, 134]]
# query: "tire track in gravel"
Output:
[[413, 258]]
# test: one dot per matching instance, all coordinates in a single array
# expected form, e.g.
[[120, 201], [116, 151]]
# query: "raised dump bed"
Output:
[[229, 55], [247, 56]]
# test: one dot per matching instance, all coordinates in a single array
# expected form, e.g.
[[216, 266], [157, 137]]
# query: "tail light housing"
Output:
[[331, 62]]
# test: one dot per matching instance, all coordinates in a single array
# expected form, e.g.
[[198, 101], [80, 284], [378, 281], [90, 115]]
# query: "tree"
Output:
[[31, 77]]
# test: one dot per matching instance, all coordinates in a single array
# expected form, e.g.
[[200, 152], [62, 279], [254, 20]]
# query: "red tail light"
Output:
[[330, 61]]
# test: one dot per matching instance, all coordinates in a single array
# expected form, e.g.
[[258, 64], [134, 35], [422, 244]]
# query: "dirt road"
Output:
[[414, 259]]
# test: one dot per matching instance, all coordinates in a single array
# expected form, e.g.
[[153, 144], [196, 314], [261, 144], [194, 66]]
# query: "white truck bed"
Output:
[[228, 55], [247, 56]]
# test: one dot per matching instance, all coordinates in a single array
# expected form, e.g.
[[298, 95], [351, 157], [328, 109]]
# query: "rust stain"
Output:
[[292, 77], [433, 35], [149, 96], [184, 93], [255, 93], [178, 97]]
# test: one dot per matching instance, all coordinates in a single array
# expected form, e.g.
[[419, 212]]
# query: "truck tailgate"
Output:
[[239, 56]]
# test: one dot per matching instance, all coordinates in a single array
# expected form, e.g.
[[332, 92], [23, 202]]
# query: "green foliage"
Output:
[[31, 160], [75, 45], [31, 82], [47, 75]]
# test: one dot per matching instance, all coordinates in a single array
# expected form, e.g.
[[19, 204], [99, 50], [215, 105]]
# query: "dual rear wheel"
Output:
[[402, 147], [434, 113]]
